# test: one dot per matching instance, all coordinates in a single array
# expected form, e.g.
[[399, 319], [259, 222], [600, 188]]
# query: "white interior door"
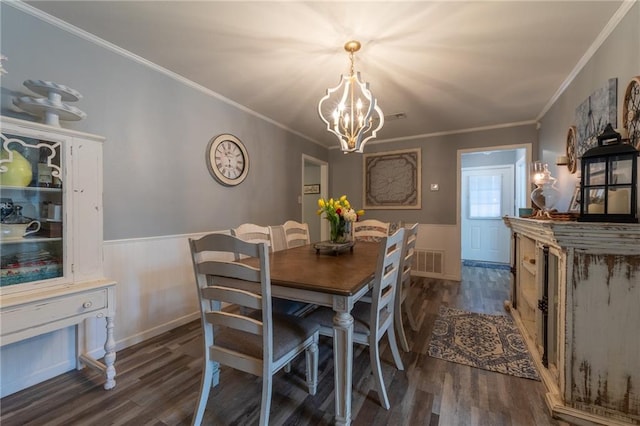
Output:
[[315, 173], [487, 195]]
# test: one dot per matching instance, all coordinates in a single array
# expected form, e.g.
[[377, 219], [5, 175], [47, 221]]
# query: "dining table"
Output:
[[333, 279]]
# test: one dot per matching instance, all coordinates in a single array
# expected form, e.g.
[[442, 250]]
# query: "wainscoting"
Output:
[[156, 293]]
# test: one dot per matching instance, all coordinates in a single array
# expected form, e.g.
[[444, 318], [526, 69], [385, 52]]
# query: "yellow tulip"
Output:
[[360, 212], [319, 212], [320, 202], [331, 202], [343, 198]]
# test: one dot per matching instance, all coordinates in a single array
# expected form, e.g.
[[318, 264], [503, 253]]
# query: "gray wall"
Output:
[[439, 163], [155, 177], [618, 57]]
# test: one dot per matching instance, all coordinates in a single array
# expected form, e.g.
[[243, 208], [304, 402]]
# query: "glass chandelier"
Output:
[[349, 110]]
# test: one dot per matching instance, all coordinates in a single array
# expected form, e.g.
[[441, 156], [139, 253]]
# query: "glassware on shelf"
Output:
[[545, 195], [15, 225]]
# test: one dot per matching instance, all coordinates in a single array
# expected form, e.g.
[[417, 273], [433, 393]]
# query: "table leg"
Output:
[[343, 365], [110, 356]]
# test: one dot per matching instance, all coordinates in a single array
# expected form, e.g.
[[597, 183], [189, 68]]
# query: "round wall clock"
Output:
[[572, 142], [631, 112], [227, 160]]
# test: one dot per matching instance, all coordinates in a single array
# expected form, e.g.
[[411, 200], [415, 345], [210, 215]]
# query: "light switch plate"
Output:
[[435, 187]]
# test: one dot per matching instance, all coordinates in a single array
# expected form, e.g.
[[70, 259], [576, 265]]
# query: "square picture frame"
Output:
[[392, 180]]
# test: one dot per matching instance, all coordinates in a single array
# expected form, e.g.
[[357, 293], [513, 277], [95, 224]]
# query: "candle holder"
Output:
[[545, 195]]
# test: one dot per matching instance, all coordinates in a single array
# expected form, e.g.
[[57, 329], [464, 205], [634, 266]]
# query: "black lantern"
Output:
[[608, 189]]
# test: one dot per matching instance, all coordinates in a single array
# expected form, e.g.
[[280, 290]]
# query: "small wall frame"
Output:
[[311, 189]]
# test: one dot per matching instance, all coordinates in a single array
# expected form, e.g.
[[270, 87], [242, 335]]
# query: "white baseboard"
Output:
[[9, 386], [156, 331]]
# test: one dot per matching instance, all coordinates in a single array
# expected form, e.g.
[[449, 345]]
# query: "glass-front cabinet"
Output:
[[51, 256], [33, 181], [51, 194]]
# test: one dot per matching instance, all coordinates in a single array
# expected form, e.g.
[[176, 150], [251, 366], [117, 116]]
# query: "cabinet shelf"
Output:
[[30, 240], [30, 188]]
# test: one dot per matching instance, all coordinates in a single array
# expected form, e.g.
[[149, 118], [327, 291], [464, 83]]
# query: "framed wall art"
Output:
[[312, 189], [392, 180], [593, 115]]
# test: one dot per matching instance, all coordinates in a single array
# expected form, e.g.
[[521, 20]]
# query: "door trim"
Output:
[[324, 190]]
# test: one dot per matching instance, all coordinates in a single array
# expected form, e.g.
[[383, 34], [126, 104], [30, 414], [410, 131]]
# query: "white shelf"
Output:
[[31, 188], [30, 240]]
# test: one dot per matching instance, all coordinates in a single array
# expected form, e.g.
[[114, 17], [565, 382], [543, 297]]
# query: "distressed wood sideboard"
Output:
[[576, 298], [25, 315]]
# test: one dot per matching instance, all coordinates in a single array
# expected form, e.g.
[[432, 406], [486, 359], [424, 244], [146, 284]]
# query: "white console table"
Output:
[[28, 314]]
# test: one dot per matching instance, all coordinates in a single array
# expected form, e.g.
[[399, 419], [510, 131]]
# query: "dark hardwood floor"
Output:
[[158, 380]]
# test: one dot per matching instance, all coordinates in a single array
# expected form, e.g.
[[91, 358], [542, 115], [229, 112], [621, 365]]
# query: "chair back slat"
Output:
[[235, 321], [230, 270], [239, 360], [233, 295], [370, 230]]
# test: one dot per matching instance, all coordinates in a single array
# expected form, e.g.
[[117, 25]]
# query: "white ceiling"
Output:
[[449, 65]]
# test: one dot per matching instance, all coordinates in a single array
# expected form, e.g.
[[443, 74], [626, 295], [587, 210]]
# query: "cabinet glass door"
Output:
[[32, 189]]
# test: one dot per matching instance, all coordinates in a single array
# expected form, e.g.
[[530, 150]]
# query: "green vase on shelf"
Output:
[[18, 170]]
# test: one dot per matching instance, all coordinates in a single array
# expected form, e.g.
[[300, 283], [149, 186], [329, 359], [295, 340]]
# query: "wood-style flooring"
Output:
[[158, 380]]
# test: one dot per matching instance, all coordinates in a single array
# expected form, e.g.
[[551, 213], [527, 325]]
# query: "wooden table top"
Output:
[[343, 274]]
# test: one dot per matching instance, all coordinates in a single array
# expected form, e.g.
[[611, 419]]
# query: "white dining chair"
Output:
[[371, 321], [278, 240], [259, 342], [370, 230], [296, 233], [255, 233], [404, 282]]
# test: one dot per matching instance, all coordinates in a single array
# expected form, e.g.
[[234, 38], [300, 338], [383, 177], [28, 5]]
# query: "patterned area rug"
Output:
[[490, 342]]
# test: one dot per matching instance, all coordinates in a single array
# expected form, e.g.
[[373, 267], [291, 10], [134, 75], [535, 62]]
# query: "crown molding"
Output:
[[606, 31], [65, 26]]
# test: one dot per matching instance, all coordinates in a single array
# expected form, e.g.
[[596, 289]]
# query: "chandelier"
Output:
[[349, 110]]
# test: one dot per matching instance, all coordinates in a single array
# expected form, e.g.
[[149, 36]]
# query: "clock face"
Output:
[[227, 159], [571, 150]]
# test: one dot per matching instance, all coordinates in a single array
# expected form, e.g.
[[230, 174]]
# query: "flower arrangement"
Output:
[[340, 215]]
